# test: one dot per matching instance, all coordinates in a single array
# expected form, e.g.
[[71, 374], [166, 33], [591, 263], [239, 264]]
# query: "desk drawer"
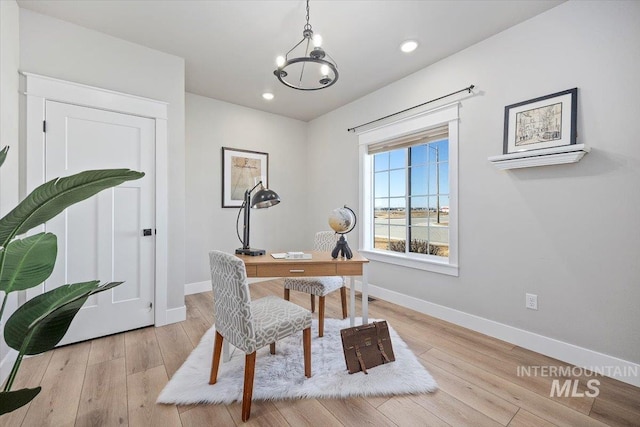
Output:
[[296, 269], [349, 269]]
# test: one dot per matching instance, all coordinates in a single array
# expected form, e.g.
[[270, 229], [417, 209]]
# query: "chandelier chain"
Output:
[[307, 26]]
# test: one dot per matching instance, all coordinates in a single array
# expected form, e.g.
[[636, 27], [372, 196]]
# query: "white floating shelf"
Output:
[[543, 157]]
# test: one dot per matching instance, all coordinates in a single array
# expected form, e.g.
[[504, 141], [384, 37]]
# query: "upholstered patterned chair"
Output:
[[321, 286], [250, 325]]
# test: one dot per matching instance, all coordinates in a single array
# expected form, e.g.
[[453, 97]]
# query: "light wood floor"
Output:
[[115, 380]]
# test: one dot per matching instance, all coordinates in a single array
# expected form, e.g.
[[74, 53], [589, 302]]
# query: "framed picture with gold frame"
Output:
[[241, 171], [544, 122]]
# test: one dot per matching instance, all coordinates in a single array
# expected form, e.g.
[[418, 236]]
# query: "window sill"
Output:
[[411, 262]]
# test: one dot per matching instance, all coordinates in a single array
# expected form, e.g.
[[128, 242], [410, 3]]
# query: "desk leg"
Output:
[[352, 300], [365, 294]]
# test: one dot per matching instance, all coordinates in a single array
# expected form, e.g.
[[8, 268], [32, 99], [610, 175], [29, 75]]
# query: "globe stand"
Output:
[[342, 248]]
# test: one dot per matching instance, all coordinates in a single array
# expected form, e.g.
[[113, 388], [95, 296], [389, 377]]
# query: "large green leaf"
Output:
[[28, 262], [12, 400], [39, 324], [52, 197], [3, 154]]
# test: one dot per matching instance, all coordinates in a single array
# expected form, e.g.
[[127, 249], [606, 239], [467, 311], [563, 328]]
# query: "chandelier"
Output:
[[304, 68]]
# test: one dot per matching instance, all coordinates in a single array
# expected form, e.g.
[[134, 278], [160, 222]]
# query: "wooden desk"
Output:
[[321, 264]]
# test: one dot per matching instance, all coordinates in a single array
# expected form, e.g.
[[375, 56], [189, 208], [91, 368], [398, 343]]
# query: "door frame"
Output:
[[38, 89]]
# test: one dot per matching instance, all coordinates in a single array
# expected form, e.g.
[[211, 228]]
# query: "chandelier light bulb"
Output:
[[317, 40], [324, 70], [280, 61]]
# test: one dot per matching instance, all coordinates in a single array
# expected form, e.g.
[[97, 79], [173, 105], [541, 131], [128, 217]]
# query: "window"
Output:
[[409, 188], [411, 199]]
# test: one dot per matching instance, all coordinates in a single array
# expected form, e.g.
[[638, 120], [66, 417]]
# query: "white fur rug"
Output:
[[281, 376]]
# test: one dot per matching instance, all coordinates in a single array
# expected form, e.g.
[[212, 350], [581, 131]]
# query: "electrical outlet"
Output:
[[531, 301]]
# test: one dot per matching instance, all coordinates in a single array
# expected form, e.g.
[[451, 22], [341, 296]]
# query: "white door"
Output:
[[103, 238]]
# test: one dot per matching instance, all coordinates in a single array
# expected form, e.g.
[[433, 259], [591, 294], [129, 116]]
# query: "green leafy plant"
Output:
[[38, 325]]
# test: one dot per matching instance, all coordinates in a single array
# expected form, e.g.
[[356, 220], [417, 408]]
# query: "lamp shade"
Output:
[[264, 198]]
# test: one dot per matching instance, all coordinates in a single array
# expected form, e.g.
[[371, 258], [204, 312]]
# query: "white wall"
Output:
[[213, 124], [568, 233], [55, 48], [9, 57]]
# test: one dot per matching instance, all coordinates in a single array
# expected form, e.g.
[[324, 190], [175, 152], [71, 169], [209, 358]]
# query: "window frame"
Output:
[[445, 115]]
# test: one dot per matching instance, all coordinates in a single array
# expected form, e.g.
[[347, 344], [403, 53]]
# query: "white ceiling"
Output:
[[230, 46]]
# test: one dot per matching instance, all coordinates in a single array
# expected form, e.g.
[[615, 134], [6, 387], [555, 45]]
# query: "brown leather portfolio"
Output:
[[366, 346]]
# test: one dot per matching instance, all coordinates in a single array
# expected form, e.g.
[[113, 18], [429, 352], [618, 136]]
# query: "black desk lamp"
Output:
[[264, 198]]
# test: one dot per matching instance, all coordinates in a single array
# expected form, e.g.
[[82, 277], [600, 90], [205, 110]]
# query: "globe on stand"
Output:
[[342, 221]]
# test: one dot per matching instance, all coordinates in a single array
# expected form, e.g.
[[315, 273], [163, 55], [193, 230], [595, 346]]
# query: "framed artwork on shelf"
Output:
[[544, 122], [241, 171]]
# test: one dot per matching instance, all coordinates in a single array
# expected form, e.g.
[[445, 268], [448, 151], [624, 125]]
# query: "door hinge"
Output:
[[44, 126]]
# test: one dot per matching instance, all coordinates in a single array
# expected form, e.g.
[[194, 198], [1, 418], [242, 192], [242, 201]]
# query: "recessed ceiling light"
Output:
[[409, 46], [268, 96]]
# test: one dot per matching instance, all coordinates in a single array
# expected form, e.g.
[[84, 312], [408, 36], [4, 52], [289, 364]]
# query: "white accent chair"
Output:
[[250, 325], [321, 286]]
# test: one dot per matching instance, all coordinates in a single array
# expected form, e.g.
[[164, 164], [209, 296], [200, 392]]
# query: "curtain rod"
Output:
[[411, 108]]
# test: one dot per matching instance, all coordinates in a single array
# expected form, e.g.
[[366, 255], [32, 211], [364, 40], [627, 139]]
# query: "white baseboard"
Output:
[[175, 315], [6, 364], [582, 357], [197, 287]]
